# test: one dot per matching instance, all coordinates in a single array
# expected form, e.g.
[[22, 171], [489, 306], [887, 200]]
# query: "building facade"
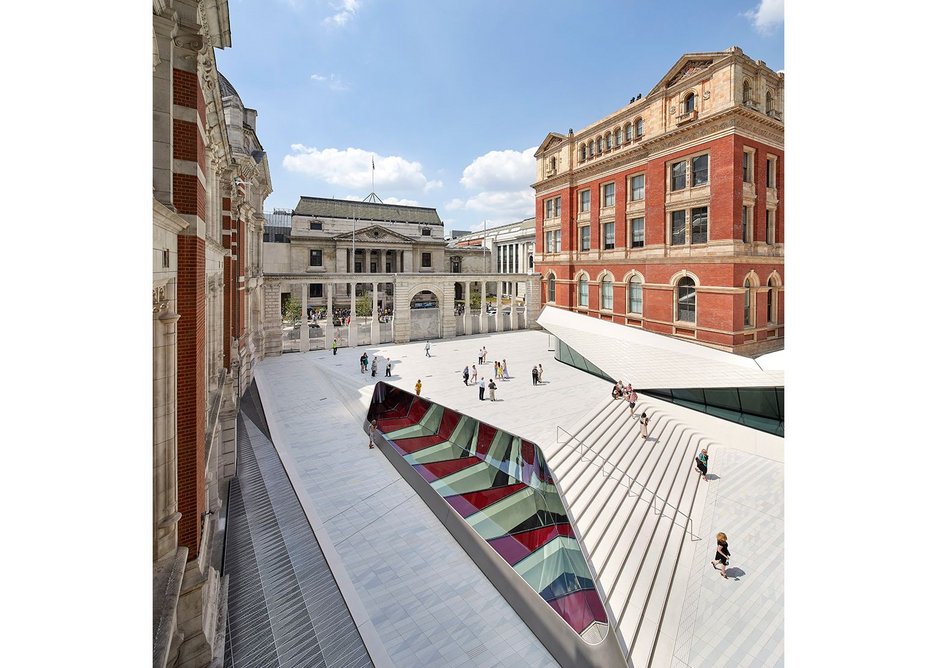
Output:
[[669, 213], [507, 249], [210, 178]]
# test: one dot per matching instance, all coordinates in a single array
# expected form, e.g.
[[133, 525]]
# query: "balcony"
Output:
[[687, 117]]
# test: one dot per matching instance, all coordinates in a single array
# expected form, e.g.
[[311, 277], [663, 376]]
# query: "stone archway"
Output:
[[425, 315]]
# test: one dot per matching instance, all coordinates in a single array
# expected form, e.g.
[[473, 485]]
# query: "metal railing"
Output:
[[608, 469]]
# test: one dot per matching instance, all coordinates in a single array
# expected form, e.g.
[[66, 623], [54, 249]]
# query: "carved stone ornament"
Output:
[[377, 234], [673, 110], [689, 70], [189, 41], [706, 94], [160, 302]]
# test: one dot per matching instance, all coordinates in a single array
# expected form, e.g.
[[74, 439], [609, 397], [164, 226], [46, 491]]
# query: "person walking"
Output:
[[504, 369], [702, 463], [474, 375], [491, 389], [419, 386], [362, 361], [465, 375], [722, 554], [484, 355], [372, 434], [632, 401], [497, 369], [481, 356], [387, 369], [481, 388], [334, 346], [535, 374], [539, 373], [374, 366], [644, 421], [426, 348]]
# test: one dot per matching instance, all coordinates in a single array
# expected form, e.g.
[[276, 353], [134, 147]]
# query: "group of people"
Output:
[[537, 374], [364, 362], [472, 377]]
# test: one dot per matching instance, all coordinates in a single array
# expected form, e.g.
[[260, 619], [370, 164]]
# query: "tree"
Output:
[[363, 305], [292, 311]]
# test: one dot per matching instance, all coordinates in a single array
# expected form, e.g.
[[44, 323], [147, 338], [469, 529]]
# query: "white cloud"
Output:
[[347, 10], [335, 82], [505, 206], [351, 168], [501, 170], [401, 201], [768, 15]]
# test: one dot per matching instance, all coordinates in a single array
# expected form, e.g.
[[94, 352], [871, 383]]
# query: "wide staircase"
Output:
[[634, 504]]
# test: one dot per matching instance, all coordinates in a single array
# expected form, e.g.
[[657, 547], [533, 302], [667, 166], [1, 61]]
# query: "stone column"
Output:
[[304, 320], [499, 321], [329, 327], [466, 311], [483, 311], [352, 323], [447, 310], [513, 305], [375, 323]]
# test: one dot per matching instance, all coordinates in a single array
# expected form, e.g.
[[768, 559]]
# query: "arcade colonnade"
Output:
[[452, 316]]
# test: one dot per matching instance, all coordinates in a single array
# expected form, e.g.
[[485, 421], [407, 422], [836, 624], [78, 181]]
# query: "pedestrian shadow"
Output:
[[712, 476], [734, 572]]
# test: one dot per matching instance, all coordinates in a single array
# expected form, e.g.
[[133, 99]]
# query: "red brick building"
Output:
[[669, 213]]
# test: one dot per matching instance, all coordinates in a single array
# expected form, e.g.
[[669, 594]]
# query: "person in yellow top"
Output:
[[419, 386]]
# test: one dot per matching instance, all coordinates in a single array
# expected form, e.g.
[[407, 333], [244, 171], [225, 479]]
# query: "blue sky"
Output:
[[451, 97]]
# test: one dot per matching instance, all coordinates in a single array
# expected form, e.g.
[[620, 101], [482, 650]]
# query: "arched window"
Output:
[[639, 128], [748, 302], [591, 148], [551, 288], [686, 300], [635, 297], [628, 132], [769, 102], [689, 103], [583, 292], [598, 145], [617, 136], [772, 299], [582, 152], [607, 292], [553, 163], [608, 141], [746, 92]]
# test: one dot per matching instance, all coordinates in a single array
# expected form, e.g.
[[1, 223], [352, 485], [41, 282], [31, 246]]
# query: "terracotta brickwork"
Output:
[[191, 390], [724, 130]]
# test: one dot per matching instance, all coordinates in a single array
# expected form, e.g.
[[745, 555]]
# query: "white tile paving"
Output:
[[429, 603]]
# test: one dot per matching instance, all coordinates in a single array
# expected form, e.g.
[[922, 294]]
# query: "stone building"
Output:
[[349, 259], [507, 249], [668, 214], [210, 179]]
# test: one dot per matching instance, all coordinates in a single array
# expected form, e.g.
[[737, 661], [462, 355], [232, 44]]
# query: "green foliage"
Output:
[[363, 305], [292, 311]]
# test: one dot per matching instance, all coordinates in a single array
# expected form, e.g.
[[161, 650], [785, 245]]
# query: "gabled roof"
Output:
[[344, 208], [551, 139], [373, 233], [688, 65]]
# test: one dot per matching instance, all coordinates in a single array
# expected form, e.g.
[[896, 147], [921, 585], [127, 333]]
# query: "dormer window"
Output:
[[426, 231]]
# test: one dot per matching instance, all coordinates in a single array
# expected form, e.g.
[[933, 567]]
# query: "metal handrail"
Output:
[[633, 481]]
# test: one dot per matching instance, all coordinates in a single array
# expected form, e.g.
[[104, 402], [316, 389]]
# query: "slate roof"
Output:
[[343, 208]]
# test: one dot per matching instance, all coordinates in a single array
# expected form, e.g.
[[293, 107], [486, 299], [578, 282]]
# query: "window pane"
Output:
[[700, 170], [746, 168], [618, 137], [628, 132], [745, 218], [637, 233], [635, 303], [609, 195], [686, 300], [677, 227], [585, 238], [639, 127], [607, 293], [678, 176], [585, 199], [700, 226], [609, 235], [549, 213], [556, 206], [583, 292], [551, 289], [637, 187]]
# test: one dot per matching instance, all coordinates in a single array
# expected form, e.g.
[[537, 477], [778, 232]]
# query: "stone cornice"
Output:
[[167, 219]]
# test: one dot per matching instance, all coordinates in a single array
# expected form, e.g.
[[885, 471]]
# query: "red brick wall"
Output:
[[190, 395], [185, 91], [184, 140]]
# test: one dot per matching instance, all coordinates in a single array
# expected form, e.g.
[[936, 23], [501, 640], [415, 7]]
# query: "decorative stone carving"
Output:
[[706, 94], [673, 110], [189, 41], [160, 301], [689, 70]]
